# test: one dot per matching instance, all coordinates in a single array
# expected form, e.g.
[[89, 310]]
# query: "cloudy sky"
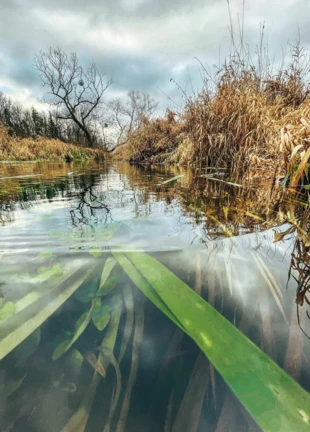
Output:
[[140, 43]]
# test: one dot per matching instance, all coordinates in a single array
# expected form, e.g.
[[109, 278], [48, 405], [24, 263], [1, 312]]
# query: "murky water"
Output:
[[82, 348]]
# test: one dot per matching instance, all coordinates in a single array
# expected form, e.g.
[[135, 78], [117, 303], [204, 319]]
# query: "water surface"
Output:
[[60, 223]]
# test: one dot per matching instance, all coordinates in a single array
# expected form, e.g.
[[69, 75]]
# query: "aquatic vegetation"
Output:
[[96, 329], [277, 401]]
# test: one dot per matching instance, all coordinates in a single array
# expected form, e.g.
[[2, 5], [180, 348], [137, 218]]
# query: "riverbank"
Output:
[[28, 149], [244, 132], [246, 117]]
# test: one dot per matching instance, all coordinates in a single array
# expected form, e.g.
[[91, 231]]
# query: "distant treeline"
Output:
[[30, 123]]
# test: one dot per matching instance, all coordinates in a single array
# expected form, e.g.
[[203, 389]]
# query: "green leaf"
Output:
[[108, 286], [88, 289], [95, 253], [79, 419], [61, 349], [46, 273], [7, 310], [80, 327], [74, 362], [21, 329], [101, 318], [144, 286], [97, 304], [108, 267], [275, 400], [33, 296], [172, 178]]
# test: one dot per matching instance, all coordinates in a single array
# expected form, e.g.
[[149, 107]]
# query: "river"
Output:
[[64, 296]]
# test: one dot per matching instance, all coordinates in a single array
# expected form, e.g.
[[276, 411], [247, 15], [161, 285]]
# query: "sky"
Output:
[[141, 44]]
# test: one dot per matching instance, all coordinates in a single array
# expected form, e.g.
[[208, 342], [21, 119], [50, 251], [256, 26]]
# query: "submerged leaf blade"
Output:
[[144, 286], [25, 328], [7, 310], [274, 399]]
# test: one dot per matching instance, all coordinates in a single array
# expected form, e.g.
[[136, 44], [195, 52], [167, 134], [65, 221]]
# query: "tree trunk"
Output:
[[88, 138]]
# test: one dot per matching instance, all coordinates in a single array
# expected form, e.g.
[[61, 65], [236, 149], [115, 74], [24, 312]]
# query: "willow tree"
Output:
[[75, 91]]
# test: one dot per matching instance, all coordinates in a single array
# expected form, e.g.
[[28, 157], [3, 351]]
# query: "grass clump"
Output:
[[246, 116], [25, 149]]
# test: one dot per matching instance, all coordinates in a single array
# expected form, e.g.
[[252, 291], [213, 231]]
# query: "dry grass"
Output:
[[245, 117], [154, 141], [23, 149]]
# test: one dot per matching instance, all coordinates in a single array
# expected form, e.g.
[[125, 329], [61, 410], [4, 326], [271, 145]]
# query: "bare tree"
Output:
[[125, 117], [75, 91]]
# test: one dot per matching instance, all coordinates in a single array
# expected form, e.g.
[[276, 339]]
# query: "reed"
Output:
[[247, 116]]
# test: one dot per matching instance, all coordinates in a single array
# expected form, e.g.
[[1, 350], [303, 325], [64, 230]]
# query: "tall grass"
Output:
[[247, 115], [25, 149]]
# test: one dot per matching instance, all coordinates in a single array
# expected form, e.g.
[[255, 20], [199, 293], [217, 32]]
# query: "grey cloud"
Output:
[[141, 43], [121, 8]]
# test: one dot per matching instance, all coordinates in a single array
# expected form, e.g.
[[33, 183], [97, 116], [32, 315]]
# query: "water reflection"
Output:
[[81, 347]]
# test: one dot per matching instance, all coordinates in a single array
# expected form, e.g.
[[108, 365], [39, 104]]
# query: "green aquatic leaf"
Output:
[[46, 273], [74, 362], [108, 286], [101, 317], [129, 305], [80, 327], [97, 304], [94, 252], [19, 330], [137, 339], [144, 286], [7, 310], [173, 178], [43, 290], [107, 269], [273, 398], [78, 421], [88, 291], [61, 349]]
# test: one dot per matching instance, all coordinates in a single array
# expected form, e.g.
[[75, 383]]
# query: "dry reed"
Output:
[[246, 117], [25, 149]]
